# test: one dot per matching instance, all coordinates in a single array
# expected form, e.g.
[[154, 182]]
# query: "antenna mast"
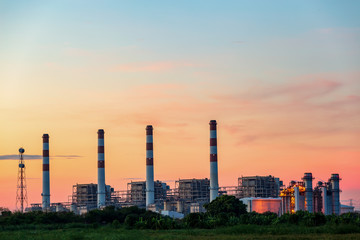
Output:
[[21, 193]]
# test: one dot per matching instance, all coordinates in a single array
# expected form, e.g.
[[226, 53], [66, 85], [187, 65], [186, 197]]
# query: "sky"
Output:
[[281, 78]]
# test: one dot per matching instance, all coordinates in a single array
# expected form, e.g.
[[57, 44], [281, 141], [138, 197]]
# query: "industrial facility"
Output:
[[324, 198], [259, 193]]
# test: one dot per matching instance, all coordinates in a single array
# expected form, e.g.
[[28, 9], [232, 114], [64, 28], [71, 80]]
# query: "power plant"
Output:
[[259, 193], [301, 195]]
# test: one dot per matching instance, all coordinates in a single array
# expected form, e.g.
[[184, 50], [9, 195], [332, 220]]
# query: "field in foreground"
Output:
[[235, 232]]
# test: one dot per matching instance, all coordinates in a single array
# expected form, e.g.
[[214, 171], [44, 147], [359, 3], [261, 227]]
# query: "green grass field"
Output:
[[235, 232]]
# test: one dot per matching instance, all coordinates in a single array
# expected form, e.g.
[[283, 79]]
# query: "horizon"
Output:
[[281, 78]]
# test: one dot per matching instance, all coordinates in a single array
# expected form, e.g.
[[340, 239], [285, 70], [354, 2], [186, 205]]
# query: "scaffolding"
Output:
[[259, 186], [193, 190], [136, 192], [86, 195]]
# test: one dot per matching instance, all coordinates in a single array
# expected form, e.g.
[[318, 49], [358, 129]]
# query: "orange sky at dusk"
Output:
[[286, 101]]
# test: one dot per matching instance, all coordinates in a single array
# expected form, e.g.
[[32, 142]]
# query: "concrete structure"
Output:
[[325, 209], [87, 195], [308, 192], [258, 186], [150, 198], [46, 174], [297, 198], [197, 208], [335, 188], [261, 205], [214, 183], [137, 192], [101, 170], [193, 190]]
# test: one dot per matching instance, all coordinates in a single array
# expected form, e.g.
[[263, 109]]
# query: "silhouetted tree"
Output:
[[227, 204]]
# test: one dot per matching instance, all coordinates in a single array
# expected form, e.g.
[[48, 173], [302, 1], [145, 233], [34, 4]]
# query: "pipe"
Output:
[[46, 174], [150, 199], [101, 170], [214, 184], [308, 192], [335, 188]]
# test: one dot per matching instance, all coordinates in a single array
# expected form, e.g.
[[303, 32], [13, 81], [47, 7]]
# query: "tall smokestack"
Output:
[[46, 175], [101, 170], [214, 185], [149, 166], [335, 189], [308, 192]]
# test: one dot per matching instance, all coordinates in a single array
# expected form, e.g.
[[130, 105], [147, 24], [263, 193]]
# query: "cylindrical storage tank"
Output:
[[101, 170], [297, 200], [150, 198], [214, 183], [308, 192], [46, 174], [335, 189]]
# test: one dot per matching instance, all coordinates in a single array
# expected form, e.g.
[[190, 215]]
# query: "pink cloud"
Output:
[[150, 66]]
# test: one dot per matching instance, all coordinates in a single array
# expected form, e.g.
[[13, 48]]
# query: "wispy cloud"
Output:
[[160, 66], [36, 157], [16, 157]]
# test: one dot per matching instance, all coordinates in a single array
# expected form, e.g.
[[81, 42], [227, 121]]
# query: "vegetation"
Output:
[[225, 216]]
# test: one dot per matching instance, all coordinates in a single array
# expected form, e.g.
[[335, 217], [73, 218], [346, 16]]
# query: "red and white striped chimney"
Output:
[[46, 175], [214, 184], [150, 198], [101, 170]]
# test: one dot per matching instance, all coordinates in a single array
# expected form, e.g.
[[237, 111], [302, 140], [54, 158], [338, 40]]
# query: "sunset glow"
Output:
[[281, 79]]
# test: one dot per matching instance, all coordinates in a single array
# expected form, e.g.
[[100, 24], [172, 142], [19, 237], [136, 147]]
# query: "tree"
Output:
[[226, 204]]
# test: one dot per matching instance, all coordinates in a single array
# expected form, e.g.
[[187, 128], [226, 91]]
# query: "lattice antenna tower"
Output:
[[21, 192]]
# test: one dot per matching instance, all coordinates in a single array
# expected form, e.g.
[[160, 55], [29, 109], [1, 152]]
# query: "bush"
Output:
[[131, 220]]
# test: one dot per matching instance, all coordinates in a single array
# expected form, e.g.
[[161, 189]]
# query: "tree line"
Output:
[[223, 211]]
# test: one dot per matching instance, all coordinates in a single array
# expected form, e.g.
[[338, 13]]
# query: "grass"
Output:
[[250, 232]]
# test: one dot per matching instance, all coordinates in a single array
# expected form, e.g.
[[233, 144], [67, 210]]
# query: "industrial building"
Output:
[[86, 194], [259, 187], [137, 192], [193, 190], [302, 196]]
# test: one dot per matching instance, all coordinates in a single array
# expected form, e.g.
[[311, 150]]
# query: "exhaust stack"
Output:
[[308, 192], [101, 170], [335, 188], [149, 166], [297, 198], [214, 185], [46, 175]]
